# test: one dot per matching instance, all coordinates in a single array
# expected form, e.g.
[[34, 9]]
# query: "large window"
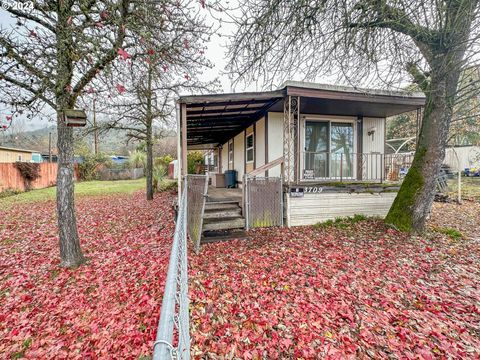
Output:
[[328, 150], [249, 146]]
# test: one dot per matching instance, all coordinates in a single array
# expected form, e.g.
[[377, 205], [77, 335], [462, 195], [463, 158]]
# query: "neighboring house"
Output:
[[311, 137], [10, 155]]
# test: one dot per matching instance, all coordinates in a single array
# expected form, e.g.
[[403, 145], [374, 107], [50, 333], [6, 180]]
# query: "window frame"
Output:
[[248, 148], [230, 152], [330, 119]]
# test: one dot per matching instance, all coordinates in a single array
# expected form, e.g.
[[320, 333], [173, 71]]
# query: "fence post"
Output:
[[246, 202], [341, 167], [382, 170]]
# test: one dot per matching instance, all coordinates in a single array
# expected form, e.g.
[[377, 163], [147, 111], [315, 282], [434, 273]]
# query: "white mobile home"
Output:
[[324, 145]]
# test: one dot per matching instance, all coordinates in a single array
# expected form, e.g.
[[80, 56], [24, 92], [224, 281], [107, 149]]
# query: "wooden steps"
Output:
[[222, 214], [225, 235]]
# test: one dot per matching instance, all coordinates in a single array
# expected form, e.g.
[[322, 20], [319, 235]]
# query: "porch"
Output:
[[309, 136]]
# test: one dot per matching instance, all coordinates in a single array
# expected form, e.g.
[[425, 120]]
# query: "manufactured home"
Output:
[[301, 154]]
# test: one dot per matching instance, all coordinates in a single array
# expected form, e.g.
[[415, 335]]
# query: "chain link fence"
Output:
[[263, 202], [197, 187], [173, 333]]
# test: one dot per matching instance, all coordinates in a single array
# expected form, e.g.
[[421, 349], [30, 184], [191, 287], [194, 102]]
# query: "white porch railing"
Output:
[[375, 167]]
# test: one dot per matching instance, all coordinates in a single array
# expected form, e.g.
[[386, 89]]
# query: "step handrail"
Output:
[[266, 167]]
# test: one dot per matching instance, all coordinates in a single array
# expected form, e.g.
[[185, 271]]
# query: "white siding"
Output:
[[260, 143], [275, 140], [314, 208], [239, 155], [375, 142], [372, 144], [225, 157]]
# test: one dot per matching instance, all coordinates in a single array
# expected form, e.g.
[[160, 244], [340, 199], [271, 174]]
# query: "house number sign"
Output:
[[301, 191], [313, 189]]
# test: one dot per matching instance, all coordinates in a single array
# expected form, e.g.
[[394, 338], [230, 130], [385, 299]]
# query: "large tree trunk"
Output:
[[149, 167], [70, 252], [413, 203], [149, 137]]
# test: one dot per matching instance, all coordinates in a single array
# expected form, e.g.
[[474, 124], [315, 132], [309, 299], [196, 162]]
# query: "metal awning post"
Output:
[[179, 150]]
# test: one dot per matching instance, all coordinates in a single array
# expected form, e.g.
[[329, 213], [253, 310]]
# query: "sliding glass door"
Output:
[[316, 149], [328, 150], [341, 149]]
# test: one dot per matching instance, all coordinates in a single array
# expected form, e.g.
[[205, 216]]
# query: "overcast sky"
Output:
[[215, 52]]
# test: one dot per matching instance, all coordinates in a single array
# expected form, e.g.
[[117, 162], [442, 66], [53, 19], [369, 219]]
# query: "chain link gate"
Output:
[[263, 202], [197, 187]]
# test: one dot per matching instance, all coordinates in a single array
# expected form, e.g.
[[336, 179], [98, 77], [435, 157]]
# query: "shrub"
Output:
[[168, 184], [29, 172], [194, 158], [163, 161], [159, 174], [138, 159], [89, 168]]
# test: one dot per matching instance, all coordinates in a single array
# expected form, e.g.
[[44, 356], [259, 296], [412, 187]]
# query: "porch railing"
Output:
[[344, 166], [173, 333]]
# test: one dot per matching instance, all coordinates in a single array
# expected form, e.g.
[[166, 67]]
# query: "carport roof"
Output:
[[215, 118]]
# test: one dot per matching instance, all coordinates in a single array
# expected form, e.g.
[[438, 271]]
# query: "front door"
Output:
[[317, 134]]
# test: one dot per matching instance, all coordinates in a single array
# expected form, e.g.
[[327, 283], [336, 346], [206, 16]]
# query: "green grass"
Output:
[[450, 232], [470, 188], [85, 188], [341, 222]]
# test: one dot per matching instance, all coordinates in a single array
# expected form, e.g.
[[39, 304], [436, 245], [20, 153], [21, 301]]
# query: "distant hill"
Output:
[[113, 142]]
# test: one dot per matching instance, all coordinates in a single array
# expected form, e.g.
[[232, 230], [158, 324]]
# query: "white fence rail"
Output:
[[173, 333]]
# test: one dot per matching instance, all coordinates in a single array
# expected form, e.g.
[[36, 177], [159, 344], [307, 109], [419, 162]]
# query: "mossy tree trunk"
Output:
[[410, 210]]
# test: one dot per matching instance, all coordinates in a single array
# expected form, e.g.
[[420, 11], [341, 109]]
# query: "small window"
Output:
[[19, 158], [230, 152], [249, 148]]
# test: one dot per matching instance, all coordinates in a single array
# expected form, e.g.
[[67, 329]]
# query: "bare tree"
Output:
[[370, 41], [162, 61], [49, 56]]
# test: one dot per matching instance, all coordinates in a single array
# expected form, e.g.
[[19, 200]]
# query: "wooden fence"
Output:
[[10, 177]]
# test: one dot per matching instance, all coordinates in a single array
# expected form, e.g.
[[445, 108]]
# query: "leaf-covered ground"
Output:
[[305, 293], [363, 292], [107, 308]]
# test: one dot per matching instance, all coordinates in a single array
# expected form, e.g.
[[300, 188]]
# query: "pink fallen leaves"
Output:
[[123, 54], [120, 88], [306, 293], [109, 307], [298, 293]]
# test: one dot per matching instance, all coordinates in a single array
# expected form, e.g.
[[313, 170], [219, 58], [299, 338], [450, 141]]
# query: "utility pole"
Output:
[[50, 147], [95, 133]]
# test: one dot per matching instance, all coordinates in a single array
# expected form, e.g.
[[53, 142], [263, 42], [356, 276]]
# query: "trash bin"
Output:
[[231, 178]]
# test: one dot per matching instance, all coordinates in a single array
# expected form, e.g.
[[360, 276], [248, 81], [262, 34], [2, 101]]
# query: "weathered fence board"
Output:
[[10, 177]]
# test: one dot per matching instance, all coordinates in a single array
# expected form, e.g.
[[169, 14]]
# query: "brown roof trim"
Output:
[[232, 98], [18, 150], [356, 96]]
